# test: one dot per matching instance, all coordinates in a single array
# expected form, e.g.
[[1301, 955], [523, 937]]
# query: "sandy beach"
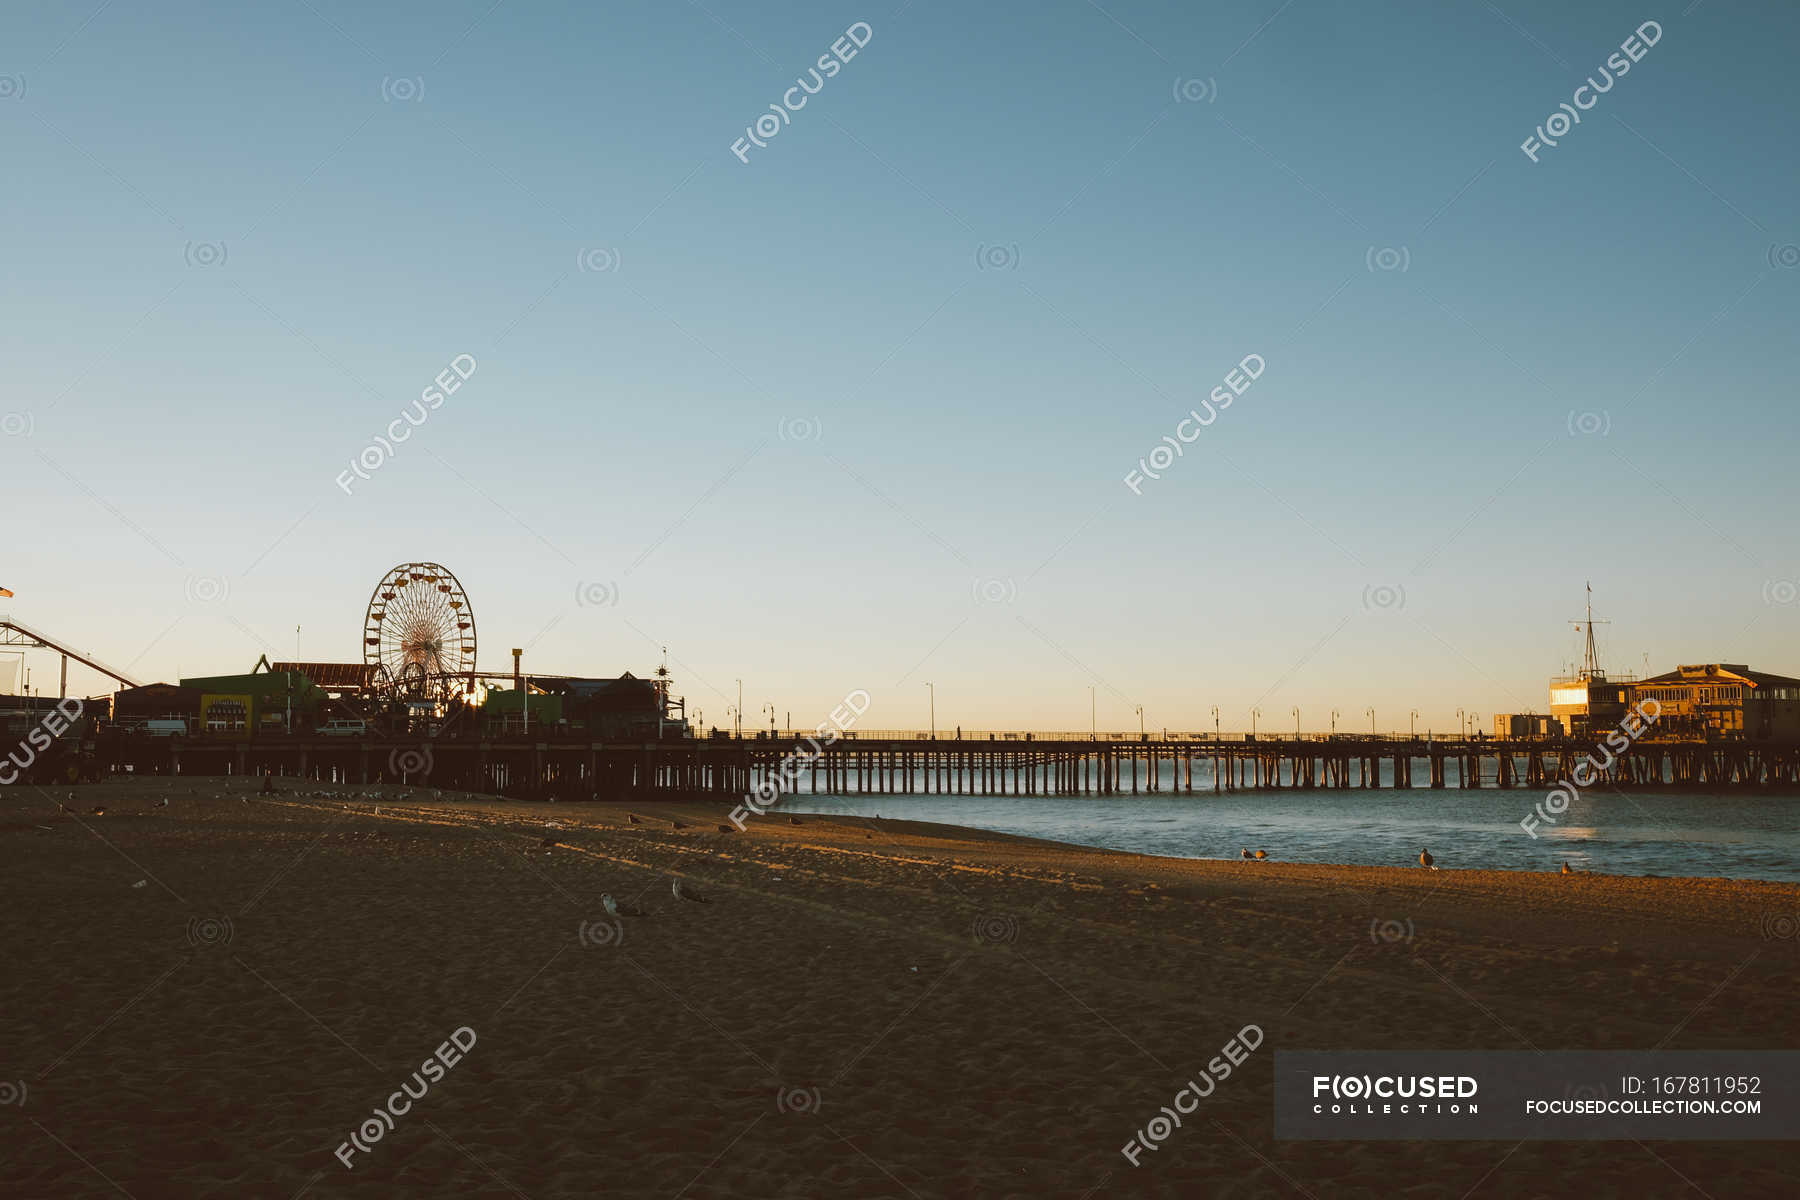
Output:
[[209, 997]]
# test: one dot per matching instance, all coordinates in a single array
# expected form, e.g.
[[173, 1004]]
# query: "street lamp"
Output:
[[1254, 713], [932, 689], [769, 707], [1093, 720], [739, 710], [1371, 712], [1461, 723], [1215, 709], [1140, 713], [1412, 723], [1296, 722], [1335, 714]]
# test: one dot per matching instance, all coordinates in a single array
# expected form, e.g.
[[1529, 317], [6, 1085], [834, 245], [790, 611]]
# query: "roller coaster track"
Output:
[[17, 633]]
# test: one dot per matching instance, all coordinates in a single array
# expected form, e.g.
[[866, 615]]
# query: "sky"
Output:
[[877, 404]]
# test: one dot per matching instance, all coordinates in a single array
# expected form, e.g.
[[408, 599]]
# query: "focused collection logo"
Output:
[[1399, 1095]]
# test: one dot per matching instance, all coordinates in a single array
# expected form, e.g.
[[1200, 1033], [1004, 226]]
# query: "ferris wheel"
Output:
[[419, 634]]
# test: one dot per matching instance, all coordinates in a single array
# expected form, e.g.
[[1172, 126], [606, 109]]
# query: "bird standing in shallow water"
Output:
[[1245, 854], [1425, 859], [1566, 869], [1262, 854]]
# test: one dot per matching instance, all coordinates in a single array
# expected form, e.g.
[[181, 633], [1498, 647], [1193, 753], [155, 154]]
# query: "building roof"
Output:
[[1737, 673], [258, 683], [335, 677], [627, 690]]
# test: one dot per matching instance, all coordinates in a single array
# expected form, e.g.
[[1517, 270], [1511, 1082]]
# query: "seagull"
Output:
[[1425, 859], [1245, 853], [1262, 854], [793, 820], [632, 819], [615, 909], [99, 810], [697, 898], [723, 828], [162, 802], [1566, 870]]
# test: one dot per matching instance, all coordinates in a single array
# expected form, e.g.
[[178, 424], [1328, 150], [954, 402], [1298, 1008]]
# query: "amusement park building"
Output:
[[236, 705]]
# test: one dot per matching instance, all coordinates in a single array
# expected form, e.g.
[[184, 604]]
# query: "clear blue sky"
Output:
[[858, 413]]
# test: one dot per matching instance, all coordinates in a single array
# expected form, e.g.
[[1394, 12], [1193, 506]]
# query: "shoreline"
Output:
[[851, 1006]]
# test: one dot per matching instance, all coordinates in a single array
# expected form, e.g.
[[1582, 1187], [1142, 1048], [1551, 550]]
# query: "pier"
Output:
[[974, 764]]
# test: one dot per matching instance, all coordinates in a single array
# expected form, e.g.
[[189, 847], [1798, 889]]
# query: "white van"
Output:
[[342, 729], [169, 727]]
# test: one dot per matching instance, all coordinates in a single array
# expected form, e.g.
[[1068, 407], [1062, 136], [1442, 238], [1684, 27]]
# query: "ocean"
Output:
[[1735, 835]]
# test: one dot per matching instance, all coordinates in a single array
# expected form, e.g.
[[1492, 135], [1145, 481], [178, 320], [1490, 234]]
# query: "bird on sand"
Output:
[[615, 909], [99, 810], [632, 819], [1245, 853], [676, 825], [1567, 870], [681, 893], [1425, 859], [1262, 854], [725, 829], [793, 820]]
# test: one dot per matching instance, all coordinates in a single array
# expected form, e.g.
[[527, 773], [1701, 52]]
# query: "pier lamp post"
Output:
[[1296, 722], [736, 718], [769, 707], [932, 689], [1335, 714], [1140, 713], [1094, 720], [1371, 712], [1215, 709], [1462, 725], [1254, 713], [739, 710], [1412, 723]]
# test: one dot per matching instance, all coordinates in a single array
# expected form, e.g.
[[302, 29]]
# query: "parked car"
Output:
[[343, 728], [166, 727]]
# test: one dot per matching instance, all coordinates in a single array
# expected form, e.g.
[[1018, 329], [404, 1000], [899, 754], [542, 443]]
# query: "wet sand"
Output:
[[859, 1008]]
